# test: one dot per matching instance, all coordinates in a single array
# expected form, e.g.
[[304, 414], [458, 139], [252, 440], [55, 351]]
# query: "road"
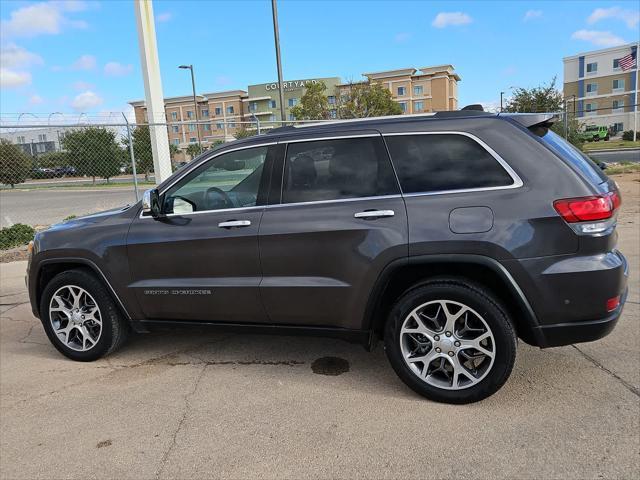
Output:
[[49, 205], [206, 404], [631, 155]]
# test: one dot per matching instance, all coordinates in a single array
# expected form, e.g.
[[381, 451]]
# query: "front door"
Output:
[[339, 222], [201, 262]]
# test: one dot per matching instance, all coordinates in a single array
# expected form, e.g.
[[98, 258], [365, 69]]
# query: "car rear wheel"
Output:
[[80, 317], [450, 341]]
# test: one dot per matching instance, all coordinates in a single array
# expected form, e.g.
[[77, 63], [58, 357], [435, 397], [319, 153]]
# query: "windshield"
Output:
[[571, 154]]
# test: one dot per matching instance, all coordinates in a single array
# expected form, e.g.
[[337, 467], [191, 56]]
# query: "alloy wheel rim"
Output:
[[75, 318], [447, 344]]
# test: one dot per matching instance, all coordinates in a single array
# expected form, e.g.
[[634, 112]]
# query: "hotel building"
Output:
[[598, 89], [219, 114]]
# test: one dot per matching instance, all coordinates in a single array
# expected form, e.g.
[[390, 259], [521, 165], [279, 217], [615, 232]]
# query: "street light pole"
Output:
[[276, 36], [501, 94], [195, 101]]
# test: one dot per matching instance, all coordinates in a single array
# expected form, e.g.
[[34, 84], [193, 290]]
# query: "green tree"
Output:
[[94, 152], [367, 100], [53, 160], [14, 163], [141, 150], [245, 132], [546, 98], [314, 104], [194, 150], [173, 150]]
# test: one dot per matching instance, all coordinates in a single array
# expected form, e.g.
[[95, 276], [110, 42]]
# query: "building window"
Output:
[[175, 128], [331, 99], [189, 113], [618, 127], [230, 109], [42, 137], [176, 141], [218, 111], [253, 107], [418, 106], [616, 64], [618, 106], [192, 140], [272, 104], [403, 106], [402, 91], [333, 113], [293, 102], [591, 108], [272, 118], [192, 127], [418, 89], [174, 115], [292, 117], [232, 125], [219, 126], [592, 89], [592, 67], [206, 127], [205, 113], [618, 85]]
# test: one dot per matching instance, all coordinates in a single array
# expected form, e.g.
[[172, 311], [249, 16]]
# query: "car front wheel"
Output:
[[80, 317], [450, 341]]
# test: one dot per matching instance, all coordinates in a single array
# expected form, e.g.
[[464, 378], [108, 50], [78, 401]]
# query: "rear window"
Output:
[[571, 154], [443, 162]]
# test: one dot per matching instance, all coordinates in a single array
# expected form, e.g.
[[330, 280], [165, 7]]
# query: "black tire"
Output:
[[115, 328], [475, 297]]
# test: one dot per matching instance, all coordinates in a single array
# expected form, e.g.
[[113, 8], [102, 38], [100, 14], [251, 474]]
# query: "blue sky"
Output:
[[82, 56]]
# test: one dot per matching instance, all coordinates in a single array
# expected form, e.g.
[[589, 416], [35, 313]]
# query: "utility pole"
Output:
[[276, 36], [501, 94], [635, 107], [153, 89], [195, 101]]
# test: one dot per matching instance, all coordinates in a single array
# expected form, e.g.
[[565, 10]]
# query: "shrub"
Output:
[[628, 135], [16, 235]]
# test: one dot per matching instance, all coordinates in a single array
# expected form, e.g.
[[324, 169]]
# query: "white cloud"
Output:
[[85, 62], [35, 99], [163, 17], [13, 79], [12, 55], [598, 38], [401, 37], [446, 19], [44, 18], [80, 85], [532, 15], [86, 101], [115, 69], [630, 17]]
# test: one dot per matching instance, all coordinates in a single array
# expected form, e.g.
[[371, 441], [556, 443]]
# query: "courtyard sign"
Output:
[[290, 86]]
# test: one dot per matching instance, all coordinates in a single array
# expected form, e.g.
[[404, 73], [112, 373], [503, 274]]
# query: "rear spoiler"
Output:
[[530, 120]]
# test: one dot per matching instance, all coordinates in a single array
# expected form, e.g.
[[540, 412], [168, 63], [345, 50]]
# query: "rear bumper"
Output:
[[560, 334]]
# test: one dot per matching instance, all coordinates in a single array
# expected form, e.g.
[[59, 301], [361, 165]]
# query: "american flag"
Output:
[[628, 61]]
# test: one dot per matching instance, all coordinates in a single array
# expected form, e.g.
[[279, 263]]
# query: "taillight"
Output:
[[613, 303], [589, 209]]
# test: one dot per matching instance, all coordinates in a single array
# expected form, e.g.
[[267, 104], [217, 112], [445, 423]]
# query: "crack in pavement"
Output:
[[185, 413], [626, 384]]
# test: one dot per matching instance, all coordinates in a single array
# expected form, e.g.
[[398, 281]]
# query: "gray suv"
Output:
[[448, 236]]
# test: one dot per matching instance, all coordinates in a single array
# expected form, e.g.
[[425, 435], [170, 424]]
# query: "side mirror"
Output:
[[151, 203], [603, 166]]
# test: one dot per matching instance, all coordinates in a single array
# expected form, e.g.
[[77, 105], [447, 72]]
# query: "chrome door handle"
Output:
[[234, 224], [373, 214]]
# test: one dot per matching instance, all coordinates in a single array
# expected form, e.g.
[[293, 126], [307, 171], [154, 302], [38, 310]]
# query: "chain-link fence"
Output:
[[55, 168]]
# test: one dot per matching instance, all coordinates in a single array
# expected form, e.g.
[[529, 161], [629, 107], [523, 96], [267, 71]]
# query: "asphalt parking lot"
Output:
[[202, 404]]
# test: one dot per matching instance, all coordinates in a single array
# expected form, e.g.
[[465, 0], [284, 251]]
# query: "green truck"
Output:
[[595, 133]]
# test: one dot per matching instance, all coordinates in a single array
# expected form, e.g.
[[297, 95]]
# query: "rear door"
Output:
[[337, 220]]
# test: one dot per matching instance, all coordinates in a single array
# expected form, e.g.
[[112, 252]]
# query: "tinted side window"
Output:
[[431, 163], [337, 169], [231, 180]]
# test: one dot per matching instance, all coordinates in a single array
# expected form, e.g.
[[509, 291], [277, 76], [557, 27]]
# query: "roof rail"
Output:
[[316, 123], [531, 119]]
